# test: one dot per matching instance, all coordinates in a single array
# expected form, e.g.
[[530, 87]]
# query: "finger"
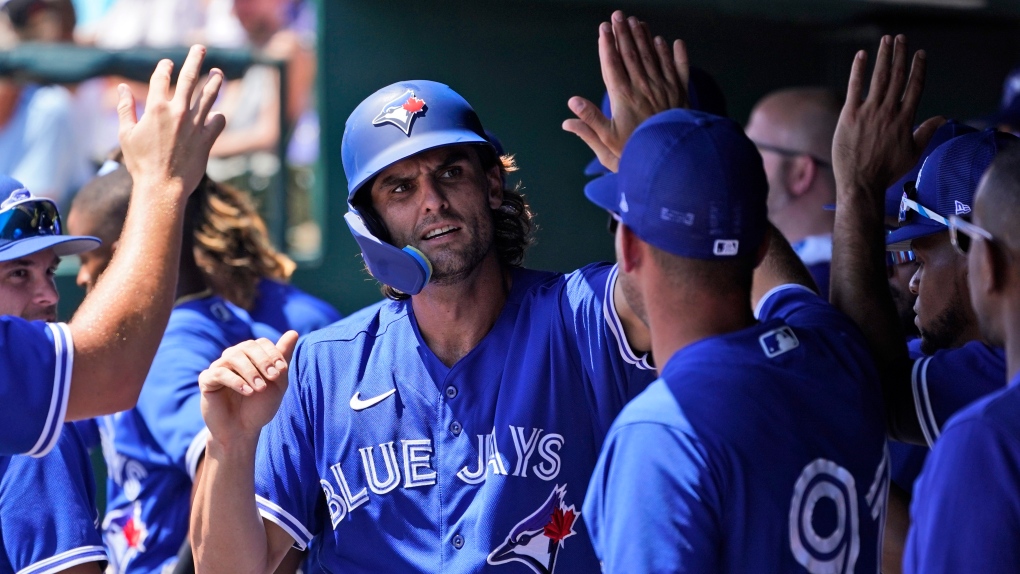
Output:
[[628, 51], [646, 50], [856, 84], [251, 362], [915, 84], [880, 77], [668, 70], [159, 84], [899, 70], [216, 377], [925, 131], [126, 112], [286, 344], [188, 78], [614, 74], [591, 115], [214, 127], [583, 131], [209, 93], [683, 68]]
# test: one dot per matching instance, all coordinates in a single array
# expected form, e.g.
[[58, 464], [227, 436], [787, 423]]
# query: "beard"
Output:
[[452, 263], [633, 297], [944, 330]]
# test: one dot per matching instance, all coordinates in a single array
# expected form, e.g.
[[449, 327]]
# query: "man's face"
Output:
[[440, 201], [940, 283], [899, 275], [987, 310], [94, 262], [27, 289]]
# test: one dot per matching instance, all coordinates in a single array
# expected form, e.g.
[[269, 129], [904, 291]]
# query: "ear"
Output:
[[630, 250], [494, 178], [801, 175], [991, 265]]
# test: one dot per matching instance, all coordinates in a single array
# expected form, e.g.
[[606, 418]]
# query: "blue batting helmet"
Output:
[[392, 124]]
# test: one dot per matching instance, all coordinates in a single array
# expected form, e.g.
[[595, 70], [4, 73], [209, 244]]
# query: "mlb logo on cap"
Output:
[[691, 184]]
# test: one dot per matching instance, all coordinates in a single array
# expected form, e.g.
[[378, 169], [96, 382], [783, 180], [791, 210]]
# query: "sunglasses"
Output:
[[787, 152], [613, 223], [894, 258], [910, 208], [23, 216], [962, 232]]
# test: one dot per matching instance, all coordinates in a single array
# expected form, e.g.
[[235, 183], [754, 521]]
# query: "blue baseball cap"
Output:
[[690, 183], [703, 94], [30, 224], [945, 185], [946, 132]]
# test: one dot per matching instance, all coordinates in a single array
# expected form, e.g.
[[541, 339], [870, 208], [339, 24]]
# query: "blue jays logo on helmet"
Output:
[[428, 115], [401, 112], [537, 539]]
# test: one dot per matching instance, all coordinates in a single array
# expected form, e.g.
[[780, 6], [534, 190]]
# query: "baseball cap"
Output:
[[703, 94], [945, 185], [946, 132], [690, 183], [29, 224]]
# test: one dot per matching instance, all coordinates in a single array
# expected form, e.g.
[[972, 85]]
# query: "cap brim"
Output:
[[595, 167], [602, 191], [61, 244], [899, 240]]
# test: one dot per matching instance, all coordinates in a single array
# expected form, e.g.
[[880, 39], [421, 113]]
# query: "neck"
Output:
[[1010, 324], [684, 318], [454, 318], [800, 222]]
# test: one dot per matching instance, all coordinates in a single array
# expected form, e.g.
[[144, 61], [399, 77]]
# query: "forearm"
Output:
[[227, 533], [780, 266], [860, 288], [130, 305]]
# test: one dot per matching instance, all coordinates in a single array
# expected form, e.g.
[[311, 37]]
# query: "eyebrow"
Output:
[[452, 156]]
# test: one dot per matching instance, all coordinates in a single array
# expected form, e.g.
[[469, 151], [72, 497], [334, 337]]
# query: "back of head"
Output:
[[42, 20], [802, 119], [105, 198], [1000, 198]]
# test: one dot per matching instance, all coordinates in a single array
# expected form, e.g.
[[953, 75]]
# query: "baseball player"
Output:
[[153, 451], [48, 520], [95, 364], [875, 143], [761, 448], [454, 427], [968, 497]]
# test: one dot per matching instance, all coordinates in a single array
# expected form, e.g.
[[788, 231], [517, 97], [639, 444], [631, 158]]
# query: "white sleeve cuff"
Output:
[[922, 401], [66, 560], [63, 348], [272, 512], [195, 451]]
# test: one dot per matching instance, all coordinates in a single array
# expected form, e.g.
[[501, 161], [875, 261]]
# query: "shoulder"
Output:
[[372, 321], [992, 416], [655, 405]]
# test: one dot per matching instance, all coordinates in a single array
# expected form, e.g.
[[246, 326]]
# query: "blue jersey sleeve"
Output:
[[799, 306], [624, 503], [286, 480], [35, 382], [170, 398], [48, 518], [946, 382], [966, 509], [616, 372]]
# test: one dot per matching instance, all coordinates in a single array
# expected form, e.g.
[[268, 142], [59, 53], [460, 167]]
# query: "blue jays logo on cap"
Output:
[[401, 112], [17, 196], [537, 539]]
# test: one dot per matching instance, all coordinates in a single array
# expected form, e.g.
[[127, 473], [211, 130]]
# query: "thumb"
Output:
[[925, 131], [126, 110], [286, 344]]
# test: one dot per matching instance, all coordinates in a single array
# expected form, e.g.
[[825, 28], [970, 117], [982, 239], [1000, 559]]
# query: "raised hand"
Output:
[[643, 77], [242, 390], [171, 141], [875, 143]]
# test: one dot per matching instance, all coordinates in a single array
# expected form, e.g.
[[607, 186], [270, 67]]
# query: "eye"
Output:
[[402, 188], [451, 172]]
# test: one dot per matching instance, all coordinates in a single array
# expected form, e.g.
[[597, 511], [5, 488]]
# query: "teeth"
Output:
[[439, 231]]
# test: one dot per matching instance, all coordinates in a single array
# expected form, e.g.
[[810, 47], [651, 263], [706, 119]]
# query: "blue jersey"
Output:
[[35, 382], [757, 451], [48, 518], [152, 450], [400, 464], [951, 379], [284, 307], [966, 515]]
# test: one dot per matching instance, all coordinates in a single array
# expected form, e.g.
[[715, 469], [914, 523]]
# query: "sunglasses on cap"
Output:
[[962, 232], [910, 208], [613, 223], [23, 215]]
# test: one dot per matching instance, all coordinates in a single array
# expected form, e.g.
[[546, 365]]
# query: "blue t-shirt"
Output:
[[757, 451], [48, 518], [966, 512], [35, 382], [951, 379], [284, 307], [401, 464], [153, 450]]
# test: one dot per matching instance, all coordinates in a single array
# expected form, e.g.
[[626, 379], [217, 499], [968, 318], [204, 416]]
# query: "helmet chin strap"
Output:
[[407, 269]]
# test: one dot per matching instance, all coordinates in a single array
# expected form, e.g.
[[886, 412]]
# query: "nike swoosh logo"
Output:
[[360, 405]]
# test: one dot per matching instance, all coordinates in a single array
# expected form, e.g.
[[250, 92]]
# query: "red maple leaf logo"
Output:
[[413, 105], [132, 534], [560, 525]]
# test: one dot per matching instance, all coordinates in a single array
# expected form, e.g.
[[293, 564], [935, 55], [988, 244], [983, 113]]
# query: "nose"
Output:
[[915, 281], [83, 278], [46, 293], [433, 198]]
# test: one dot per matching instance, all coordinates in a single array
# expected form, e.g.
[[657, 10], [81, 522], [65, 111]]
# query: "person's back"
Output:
[[777, 430], [284, 307]]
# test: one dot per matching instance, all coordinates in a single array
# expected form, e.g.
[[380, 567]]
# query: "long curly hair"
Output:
[[513, 221]]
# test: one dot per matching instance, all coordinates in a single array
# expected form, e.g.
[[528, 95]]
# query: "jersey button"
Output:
[[458, 541], [455, 428], [451, 391]]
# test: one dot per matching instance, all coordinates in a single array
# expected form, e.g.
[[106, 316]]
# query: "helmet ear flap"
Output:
[[406, 270]]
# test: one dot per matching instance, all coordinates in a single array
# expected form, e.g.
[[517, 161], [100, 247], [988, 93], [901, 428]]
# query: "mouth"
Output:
[[440, 232]]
